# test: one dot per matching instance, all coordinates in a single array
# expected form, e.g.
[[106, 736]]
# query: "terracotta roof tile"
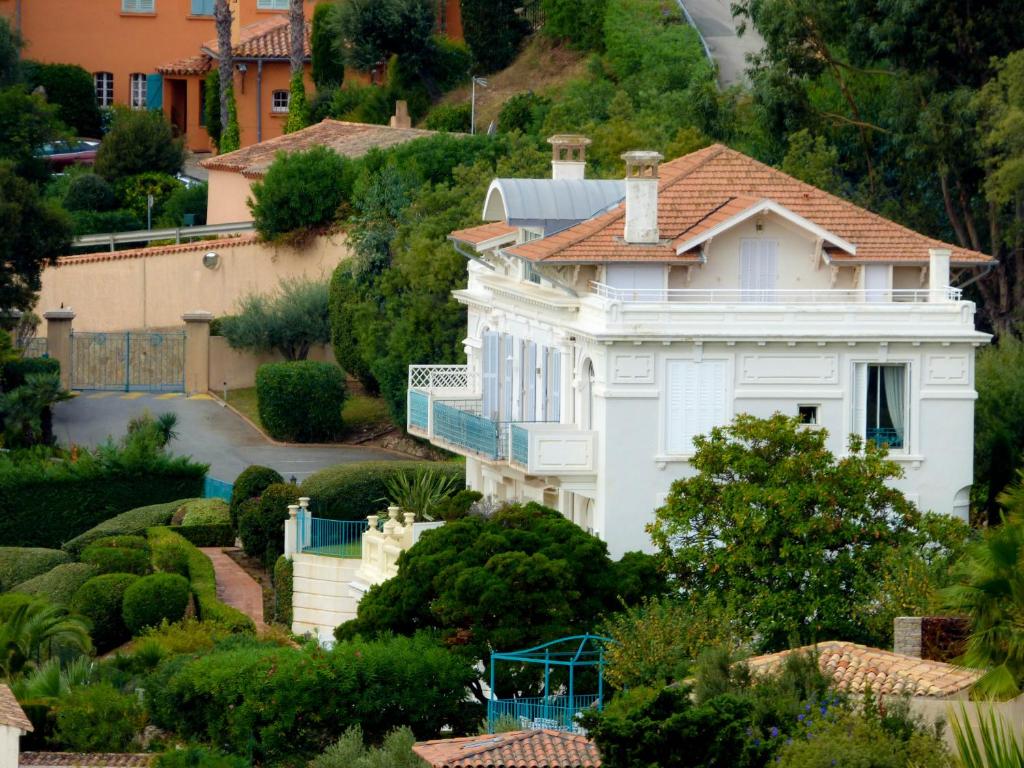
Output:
[[483, 233], [159, 250], [83, 760], [349, 139], [705, 187], [516, 749], [11, 712], [856, 668], [266, 39], [190, 65]]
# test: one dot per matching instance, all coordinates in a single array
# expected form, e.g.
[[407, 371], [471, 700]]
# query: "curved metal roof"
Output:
[[523, 202]]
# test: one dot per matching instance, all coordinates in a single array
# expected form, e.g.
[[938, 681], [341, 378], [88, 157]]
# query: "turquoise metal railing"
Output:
[[216, 489], [885, 436], [520, 445], [419, 413], [331, 538], [465, 429], [555, 712]]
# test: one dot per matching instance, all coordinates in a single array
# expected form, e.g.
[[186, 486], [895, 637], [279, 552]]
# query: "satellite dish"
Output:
[[211, 260]]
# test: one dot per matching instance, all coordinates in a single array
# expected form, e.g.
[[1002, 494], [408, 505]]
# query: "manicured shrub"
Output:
[[154, 599], [19, 564], [185, 201], [16, 371], [99, 600], [283, 579], [202, 579], [89, 192], [71, 89], [98, 718], [301, 401], [59, 585], [301, 193], [139, 141], [203, 512], [116, 559], [353, 491], [450, 117], [262, 525], [171, 556], [134, 521], [100, 222], [213, 535], [249, 485]]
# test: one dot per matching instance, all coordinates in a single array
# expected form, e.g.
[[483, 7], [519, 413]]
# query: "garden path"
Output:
[[235, 587]]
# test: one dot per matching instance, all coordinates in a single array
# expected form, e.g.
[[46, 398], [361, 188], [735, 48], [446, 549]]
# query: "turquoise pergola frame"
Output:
[[558, 711]]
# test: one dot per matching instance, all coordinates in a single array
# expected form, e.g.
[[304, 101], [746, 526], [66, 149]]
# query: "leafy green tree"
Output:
[[298, 107], [89, 192], [26, 123], [98, 718], [493, 30], [794, 541], [71, 89], [811, 159], [289, 321], [211, 106], [139, 141], [371, 31], [524, 576], [350, 752], [184, 201], [29, 632], [579, 21], [998, 421], [328, 62]]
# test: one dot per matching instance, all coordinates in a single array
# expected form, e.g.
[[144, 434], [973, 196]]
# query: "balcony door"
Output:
[[758, 269]]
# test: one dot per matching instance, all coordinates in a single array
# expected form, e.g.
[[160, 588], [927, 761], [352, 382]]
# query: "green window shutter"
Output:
[[154, 91], [202, 7]]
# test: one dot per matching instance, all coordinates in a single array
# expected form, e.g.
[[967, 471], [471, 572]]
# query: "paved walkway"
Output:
[[235, 587], [715, 21]]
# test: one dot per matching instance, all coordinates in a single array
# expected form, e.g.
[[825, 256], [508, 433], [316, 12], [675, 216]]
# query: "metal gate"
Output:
[[128, 361]]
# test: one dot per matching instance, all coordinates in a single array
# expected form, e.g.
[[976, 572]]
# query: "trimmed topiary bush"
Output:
[[301, 401], [154, 599], [216, 535], [118, 554], [262, 525], [249, 485], [19, 564], [59, 585], [16, 371], [89, 192], [283, 579], [353, 491], [206, 512], [134, 521], [100, 601], [139, 141]]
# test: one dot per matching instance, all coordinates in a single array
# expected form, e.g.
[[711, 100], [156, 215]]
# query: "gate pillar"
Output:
[[58, 341], [197, 352]]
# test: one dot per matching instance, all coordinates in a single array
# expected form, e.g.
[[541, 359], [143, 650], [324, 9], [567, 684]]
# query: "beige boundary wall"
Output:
[[153, 287], [234, 368]]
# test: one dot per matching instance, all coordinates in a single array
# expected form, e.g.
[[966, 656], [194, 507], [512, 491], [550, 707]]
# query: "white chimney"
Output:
[[938, 273], [568, 156], [641, 197]]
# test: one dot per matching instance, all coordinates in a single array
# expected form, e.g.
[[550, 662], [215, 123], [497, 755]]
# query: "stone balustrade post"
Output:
[[58, 341], [197, 352], [291, 531]]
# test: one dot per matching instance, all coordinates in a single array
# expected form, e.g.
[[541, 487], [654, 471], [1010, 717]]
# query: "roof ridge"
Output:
[[498, 741]]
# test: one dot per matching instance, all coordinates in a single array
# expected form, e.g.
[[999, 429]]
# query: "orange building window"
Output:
[[279, 101], [104, 82], [138, 6], [272, 5], [138, 92]]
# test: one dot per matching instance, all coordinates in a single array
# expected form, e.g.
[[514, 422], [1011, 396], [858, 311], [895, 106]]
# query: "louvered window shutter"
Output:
[[697, 400], [530, 371], [860, 399], [491, 355], [768, 266], [748, 268], [556, 386], [508, 391]]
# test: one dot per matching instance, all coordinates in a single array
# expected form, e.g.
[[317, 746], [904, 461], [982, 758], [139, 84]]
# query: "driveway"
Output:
[[714, 20], [207, 431]]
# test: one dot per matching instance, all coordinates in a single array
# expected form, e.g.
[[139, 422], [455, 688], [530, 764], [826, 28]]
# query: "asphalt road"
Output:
[[714, 20], [207, 431]]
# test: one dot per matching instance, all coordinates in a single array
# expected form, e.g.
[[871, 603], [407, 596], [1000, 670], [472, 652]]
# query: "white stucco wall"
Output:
[[9, 746], [322, 597]]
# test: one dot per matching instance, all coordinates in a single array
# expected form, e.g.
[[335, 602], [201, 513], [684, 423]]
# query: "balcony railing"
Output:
[[776, 296], [460, 424], [331, 538], [433, 377]]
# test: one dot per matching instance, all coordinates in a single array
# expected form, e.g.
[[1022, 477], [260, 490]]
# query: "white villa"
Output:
[[612, 321]]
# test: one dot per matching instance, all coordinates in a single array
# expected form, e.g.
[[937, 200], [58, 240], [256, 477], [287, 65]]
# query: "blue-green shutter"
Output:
[[202, 7], [154, 91]]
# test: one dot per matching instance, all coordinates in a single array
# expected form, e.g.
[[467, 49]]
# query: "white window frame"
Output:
[[275, 107], [138, 87], [138, 6], [681, 444], [860, 404], [103, 85], [271, 5]]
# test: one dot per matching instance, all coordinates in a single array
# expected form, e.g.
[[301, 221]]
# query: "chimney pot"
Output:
[[568, 156], [401, 117], [641, 197], [938, 273]]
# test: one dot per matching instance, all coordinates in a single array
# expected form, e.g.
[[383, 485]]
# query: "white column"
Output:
[[938, 273], [291, 531]]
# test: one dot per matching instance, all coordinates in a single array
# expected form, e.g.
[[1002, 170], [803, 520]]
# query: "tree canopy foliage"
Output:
[[289, 321], [139, 141]]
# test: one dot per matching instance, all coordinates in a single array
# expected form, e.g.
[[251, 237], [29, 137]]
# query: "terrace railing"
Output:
[[558, 713], [776, 296], [330, 538]]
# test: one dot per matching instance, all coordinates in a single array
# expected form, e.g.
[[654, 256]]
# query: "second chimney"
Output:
[[641, 197], [568, 156]]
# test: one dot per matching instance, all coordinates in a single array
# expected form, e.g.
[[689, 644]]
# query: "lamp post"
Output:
[[482, 82]]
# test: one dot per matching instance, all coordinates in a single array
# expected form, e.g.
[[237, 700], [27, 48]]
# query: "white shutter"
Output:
[[768, 268], [545, 384], [556, 386], [675, 418], [491, 366], [749, 277], [876, 282], [530, 372], [697, 401], [860, 399], [508, 385]]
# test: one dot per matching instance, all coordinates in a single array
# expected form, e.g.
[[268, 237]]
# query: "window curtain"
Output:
[[894, 378]]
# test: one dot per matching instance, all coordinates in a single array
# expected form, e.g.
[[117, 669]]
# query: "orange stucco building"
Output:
[[155, 53]]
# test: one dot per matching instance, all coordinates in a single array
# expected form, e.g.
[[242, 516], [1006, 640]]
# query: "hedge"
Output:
[[301, 401], [214, 535], [116, 559], [16, 371], [202, 580], [353, 491], [134, 521], [283, 580], [99, 600], [261, 526], [19, 564], [44, 504], [249, 485], [154, 599], [206, 512], [59, 585]]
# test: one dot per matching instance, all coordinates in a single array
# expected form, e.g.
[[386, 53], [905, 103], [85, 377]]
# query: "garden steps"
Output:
[[235, 587]]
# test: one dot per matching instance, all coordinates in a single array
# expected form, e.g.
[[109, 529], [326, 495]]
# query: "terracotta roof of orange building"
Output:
[[267, 39], [515, 749], [483, 233], [158, 250], [190, 65], [706, 187], [348, 139], [84, 760], [857, 668], [11, 713]]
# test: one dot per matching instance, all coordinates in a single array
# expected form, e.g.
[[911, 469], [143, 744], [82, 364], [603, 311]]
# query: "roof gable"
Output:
[[515, 749]]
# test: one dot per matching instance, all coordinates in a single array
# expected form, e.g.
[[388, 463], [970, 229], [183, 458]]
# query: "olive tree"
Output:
[[290, 321]]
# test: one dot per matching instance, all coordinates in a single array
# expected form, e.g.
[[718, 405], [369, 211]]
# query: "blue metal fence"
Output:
[[520, 445], [419, 404], [465, 429], [216, 489], [36, 347], [555, 712], [331, 538], [885, 435]]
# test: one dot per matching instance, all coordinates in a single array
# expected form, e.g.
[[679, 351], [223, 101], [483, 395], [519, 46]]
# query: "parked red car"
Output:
[[61, 154]]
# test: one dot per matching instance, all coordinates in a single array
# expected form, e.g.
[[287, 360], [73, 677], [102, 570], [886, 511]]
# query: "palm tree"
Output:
[[29, 632], [297, 36], [50, 682], [991, 592], [222, 17]]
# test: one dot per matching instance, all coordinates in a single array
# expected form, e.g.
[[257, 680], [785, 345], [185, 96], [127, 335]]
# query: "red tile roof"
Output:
[[856, 668], [708, 186], [349, 139], [267, 39], [484, 233], [84, 760], [11, 713], [515, 749], [190, 65], [159, 250]]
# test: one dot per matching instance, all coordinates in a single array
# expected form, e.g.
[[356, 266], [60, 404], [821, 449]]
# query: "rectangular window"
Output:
[[637, 282], [491, 366], [808, 414], [139, 90], [877, 282], [138, 6], [882, 403], [552, 385], [758, 267], [528, 381], [272, 5], [697, 401], [508, 346], [203, 7], [104, 83], [279, 101]]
